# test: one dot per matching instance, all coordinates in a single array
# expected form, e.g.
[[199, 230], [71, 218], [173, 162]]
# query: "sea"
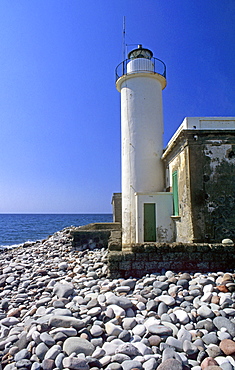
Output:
[[16, 229]]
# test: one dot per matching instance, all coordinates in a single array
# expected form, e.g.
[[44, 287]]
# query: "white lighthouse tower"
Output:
[[140, 80]]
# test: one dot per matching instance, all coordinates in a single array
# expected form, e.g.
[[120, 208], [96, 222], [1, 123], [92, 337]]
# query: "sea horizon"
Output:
[[18, 228]]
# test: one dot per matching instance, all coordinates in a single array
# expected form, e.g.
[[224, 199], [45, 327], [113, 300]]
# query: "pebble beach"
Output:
[[60, 310]]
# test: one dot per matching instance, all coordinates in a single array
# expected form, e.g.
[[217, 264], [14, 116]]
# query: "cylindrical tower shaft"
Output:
[[142, 138]]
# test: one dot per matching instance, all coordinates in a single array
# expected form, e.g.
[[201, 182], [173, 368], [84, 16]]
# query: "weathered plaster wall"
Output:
[[213, 186], [117, 207], [205, 161], [178, 160], [164, 209]]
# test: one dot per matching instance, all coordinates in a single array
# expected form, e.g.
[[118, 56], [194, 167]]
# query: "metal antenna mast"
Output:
[[124, 38]]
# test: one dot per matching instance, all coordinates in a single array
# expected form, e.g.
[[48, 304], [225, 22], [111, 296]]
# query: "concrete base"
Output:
[[96, 236], [147, 258]]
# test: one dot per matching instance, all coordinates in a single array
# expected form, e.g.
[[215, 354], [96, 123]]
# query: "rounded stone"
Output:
[[189, 348], [23, 354], [24, 364], [175, 343], [66, 322], [120, 301], [160, 330], [223, 322], [167, 299], [182, 316], [139, 329], [75, 363], [96, 330], [112, 329], [129, 282], [41, 350], [78, 345], [227, 241], [162, 308], [53, 352], [115, 366], [205, 312], [110, 347], [128, 349], [63, 290], [210, 338], [131, 365], [150, 364], [143, 348], [154, 340], [129, 323], [125, 336], [208, 361], [48, 364], [228, 347], [184, 283], [213, 350], [170, 364], [120, 358], [47, 339], [36, 366]]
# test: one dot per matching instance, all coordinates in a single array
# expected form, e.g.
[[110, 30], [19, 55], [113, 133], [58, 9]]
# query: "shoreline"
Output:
[[60, 310]]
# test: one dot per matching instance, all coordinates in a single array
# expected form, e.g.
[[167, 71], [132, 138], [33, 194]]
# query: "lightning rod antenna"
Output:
[[124, 38]]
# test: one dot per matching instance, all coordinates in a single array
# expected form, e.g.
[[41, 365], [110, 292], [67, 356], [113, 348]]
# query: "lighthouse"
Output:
[[140, 79]]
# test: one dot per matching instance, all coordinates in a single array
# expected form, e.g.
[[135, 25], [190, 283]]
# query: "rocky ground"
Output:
[[59, 310]]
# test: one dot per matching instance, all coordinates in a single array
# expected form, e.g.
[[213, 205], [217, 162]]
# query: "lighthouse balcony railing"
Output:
[[157, 66]]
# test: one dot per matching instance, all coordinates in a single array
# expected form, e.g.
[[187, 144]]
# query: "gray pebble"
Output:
[[41, 350], [132, 364], [23, 363], [63, 290], [226, 366], [189, 348], [170, 363], [128, 349], [205, 312], [210, 338], [47, 339], [75, 363], [123, 302], [66, 322], [223, 322], [78, 345], [23, 354], [173, 342], [150, 364], [53, 352], [213, 350], [36, 366]]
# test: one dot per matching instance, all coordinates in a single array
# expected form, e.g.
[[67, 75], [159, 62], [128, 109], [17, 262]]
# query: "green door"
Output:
[[149, 222]]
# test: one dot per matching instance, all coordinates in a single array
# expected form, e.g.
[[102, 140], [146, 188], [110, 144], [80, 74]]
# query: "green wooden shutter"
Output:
[[175, 193]]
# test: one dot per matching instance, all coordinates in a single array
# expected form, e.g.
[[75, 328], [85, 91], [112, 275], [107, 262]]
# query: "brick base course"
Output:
[[140, 260]]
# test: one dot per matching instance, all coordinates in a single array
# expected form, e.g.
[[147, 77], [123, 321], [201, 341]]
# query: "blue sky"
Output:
[[59, 109]]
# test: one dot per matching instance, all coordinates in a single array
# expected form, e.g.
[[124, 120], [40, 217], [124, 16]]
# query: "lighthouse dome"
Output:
[[140, 53], [140, 61]]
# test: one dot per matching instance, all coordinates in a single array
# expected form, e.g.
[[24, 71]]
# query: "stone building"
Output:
[[200, 172]]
